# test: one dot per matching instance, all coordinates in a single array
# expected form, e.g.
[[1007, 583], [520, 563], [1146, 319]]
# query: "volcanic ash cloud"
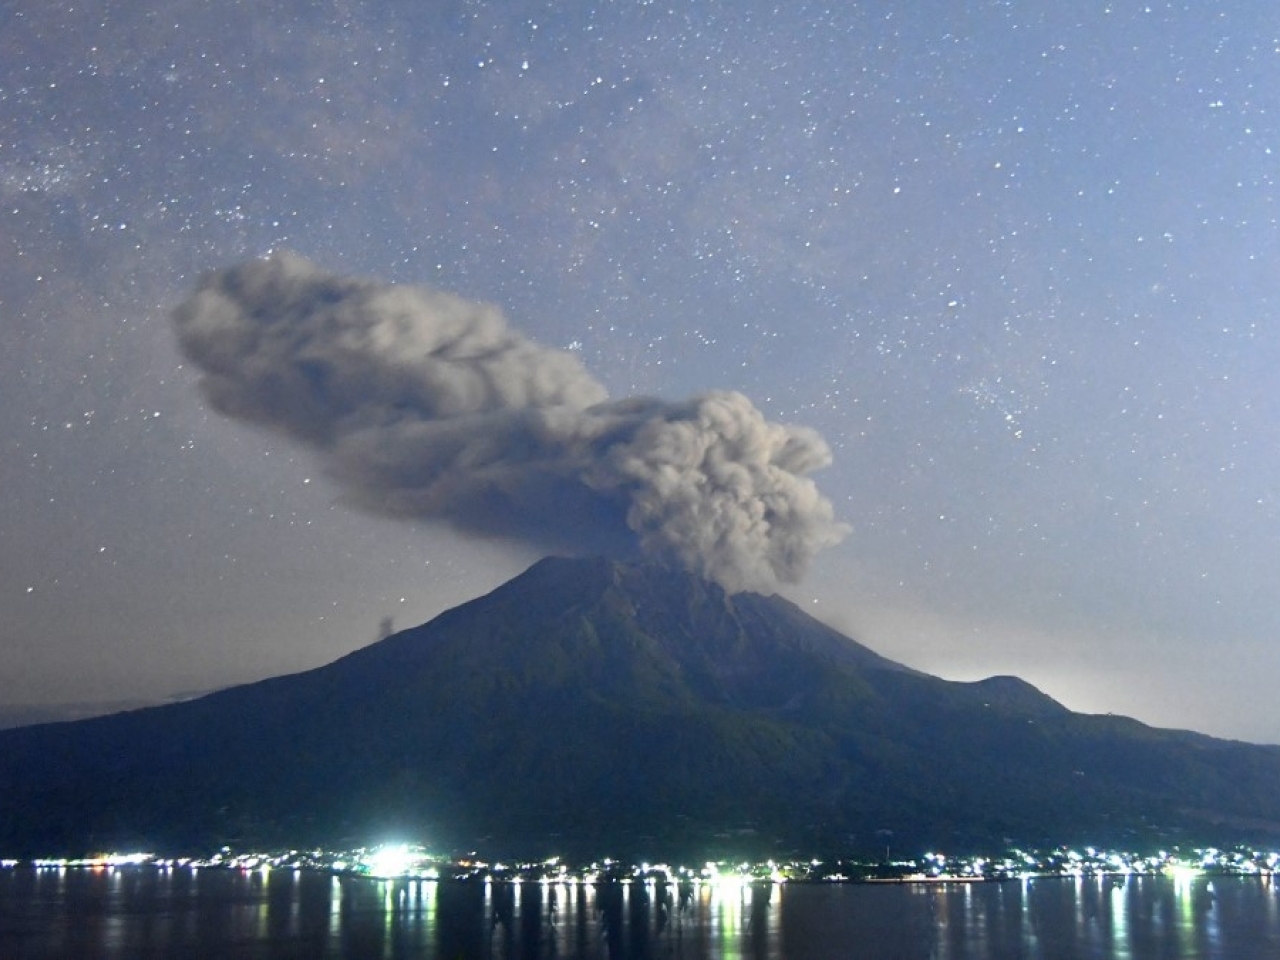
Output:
[[421, 404]]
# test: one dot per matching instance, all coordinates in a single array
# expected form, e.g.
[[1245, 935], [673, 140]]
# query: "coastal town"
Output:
[[413, 862]]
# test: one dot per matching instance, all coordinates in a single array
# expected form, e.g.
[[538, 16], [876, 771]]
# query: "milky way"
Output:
[[1015, 264]]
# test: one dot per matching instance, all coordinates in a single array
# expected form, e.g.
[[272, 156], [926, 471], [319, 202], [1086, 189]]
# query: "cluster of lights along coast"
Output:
[[416, 863]]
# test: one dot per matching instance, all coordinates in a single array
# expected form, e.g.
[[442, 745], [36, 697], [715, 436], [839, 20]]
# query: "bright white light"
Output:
[[729, 882], [390, 861]]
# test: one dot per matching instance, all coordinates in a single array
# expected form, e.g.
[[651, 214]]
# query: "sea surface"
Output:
[[144, 911]]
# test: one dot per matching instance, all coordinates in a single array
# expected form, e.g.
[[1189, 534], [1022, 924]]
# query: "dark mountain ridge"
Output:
[[590, 706]]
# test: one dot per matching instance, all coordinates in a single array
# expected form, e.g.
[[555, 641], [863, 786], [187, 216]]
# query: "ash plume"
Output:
[[422, 404]]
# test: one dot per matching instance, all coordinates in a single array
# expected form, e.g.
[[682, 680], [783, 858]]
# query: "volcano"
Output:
[[594, 707]]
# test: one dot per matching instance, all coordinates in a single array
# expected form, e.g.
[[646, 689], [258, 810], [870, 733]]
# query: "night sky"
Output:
[[1015, 262]]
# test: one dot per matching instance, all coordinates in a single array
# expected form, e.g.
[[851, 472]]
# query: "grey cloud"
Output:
[[422, 404]]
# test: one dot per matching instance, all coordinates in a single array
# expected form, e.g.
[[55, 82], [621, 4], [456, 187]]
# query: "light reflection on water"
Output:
[[141, 911]]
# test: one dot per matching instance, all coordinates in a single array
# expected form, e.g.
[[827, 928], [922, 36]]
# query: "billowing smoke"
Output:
[[422, 404]]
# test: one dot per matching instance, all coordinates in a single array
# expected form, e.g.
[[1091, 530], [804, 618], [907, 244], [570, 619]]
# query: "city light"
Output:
[[390, 861], [394, 861]]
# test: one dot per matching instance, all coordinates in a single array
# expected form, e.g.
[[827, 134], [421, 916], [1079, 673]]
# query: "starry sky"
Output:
[[1015, 262]]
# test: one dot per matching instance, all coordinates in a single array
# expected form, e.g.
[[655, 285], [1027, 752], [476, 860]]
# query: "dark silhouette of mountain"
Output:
[[589, 707]]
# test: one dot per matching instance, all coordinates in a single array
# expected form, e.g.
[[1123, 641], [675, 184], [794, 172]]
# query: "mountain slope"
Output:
[[588, 706]]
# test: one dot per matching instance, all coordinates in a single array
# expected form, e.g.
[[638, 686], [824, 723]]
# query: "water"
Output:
[[146, 912]]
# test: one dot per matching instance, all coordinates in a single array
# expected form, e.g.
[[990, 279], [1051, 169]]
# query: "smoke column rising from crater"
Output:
[[422, 404]]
